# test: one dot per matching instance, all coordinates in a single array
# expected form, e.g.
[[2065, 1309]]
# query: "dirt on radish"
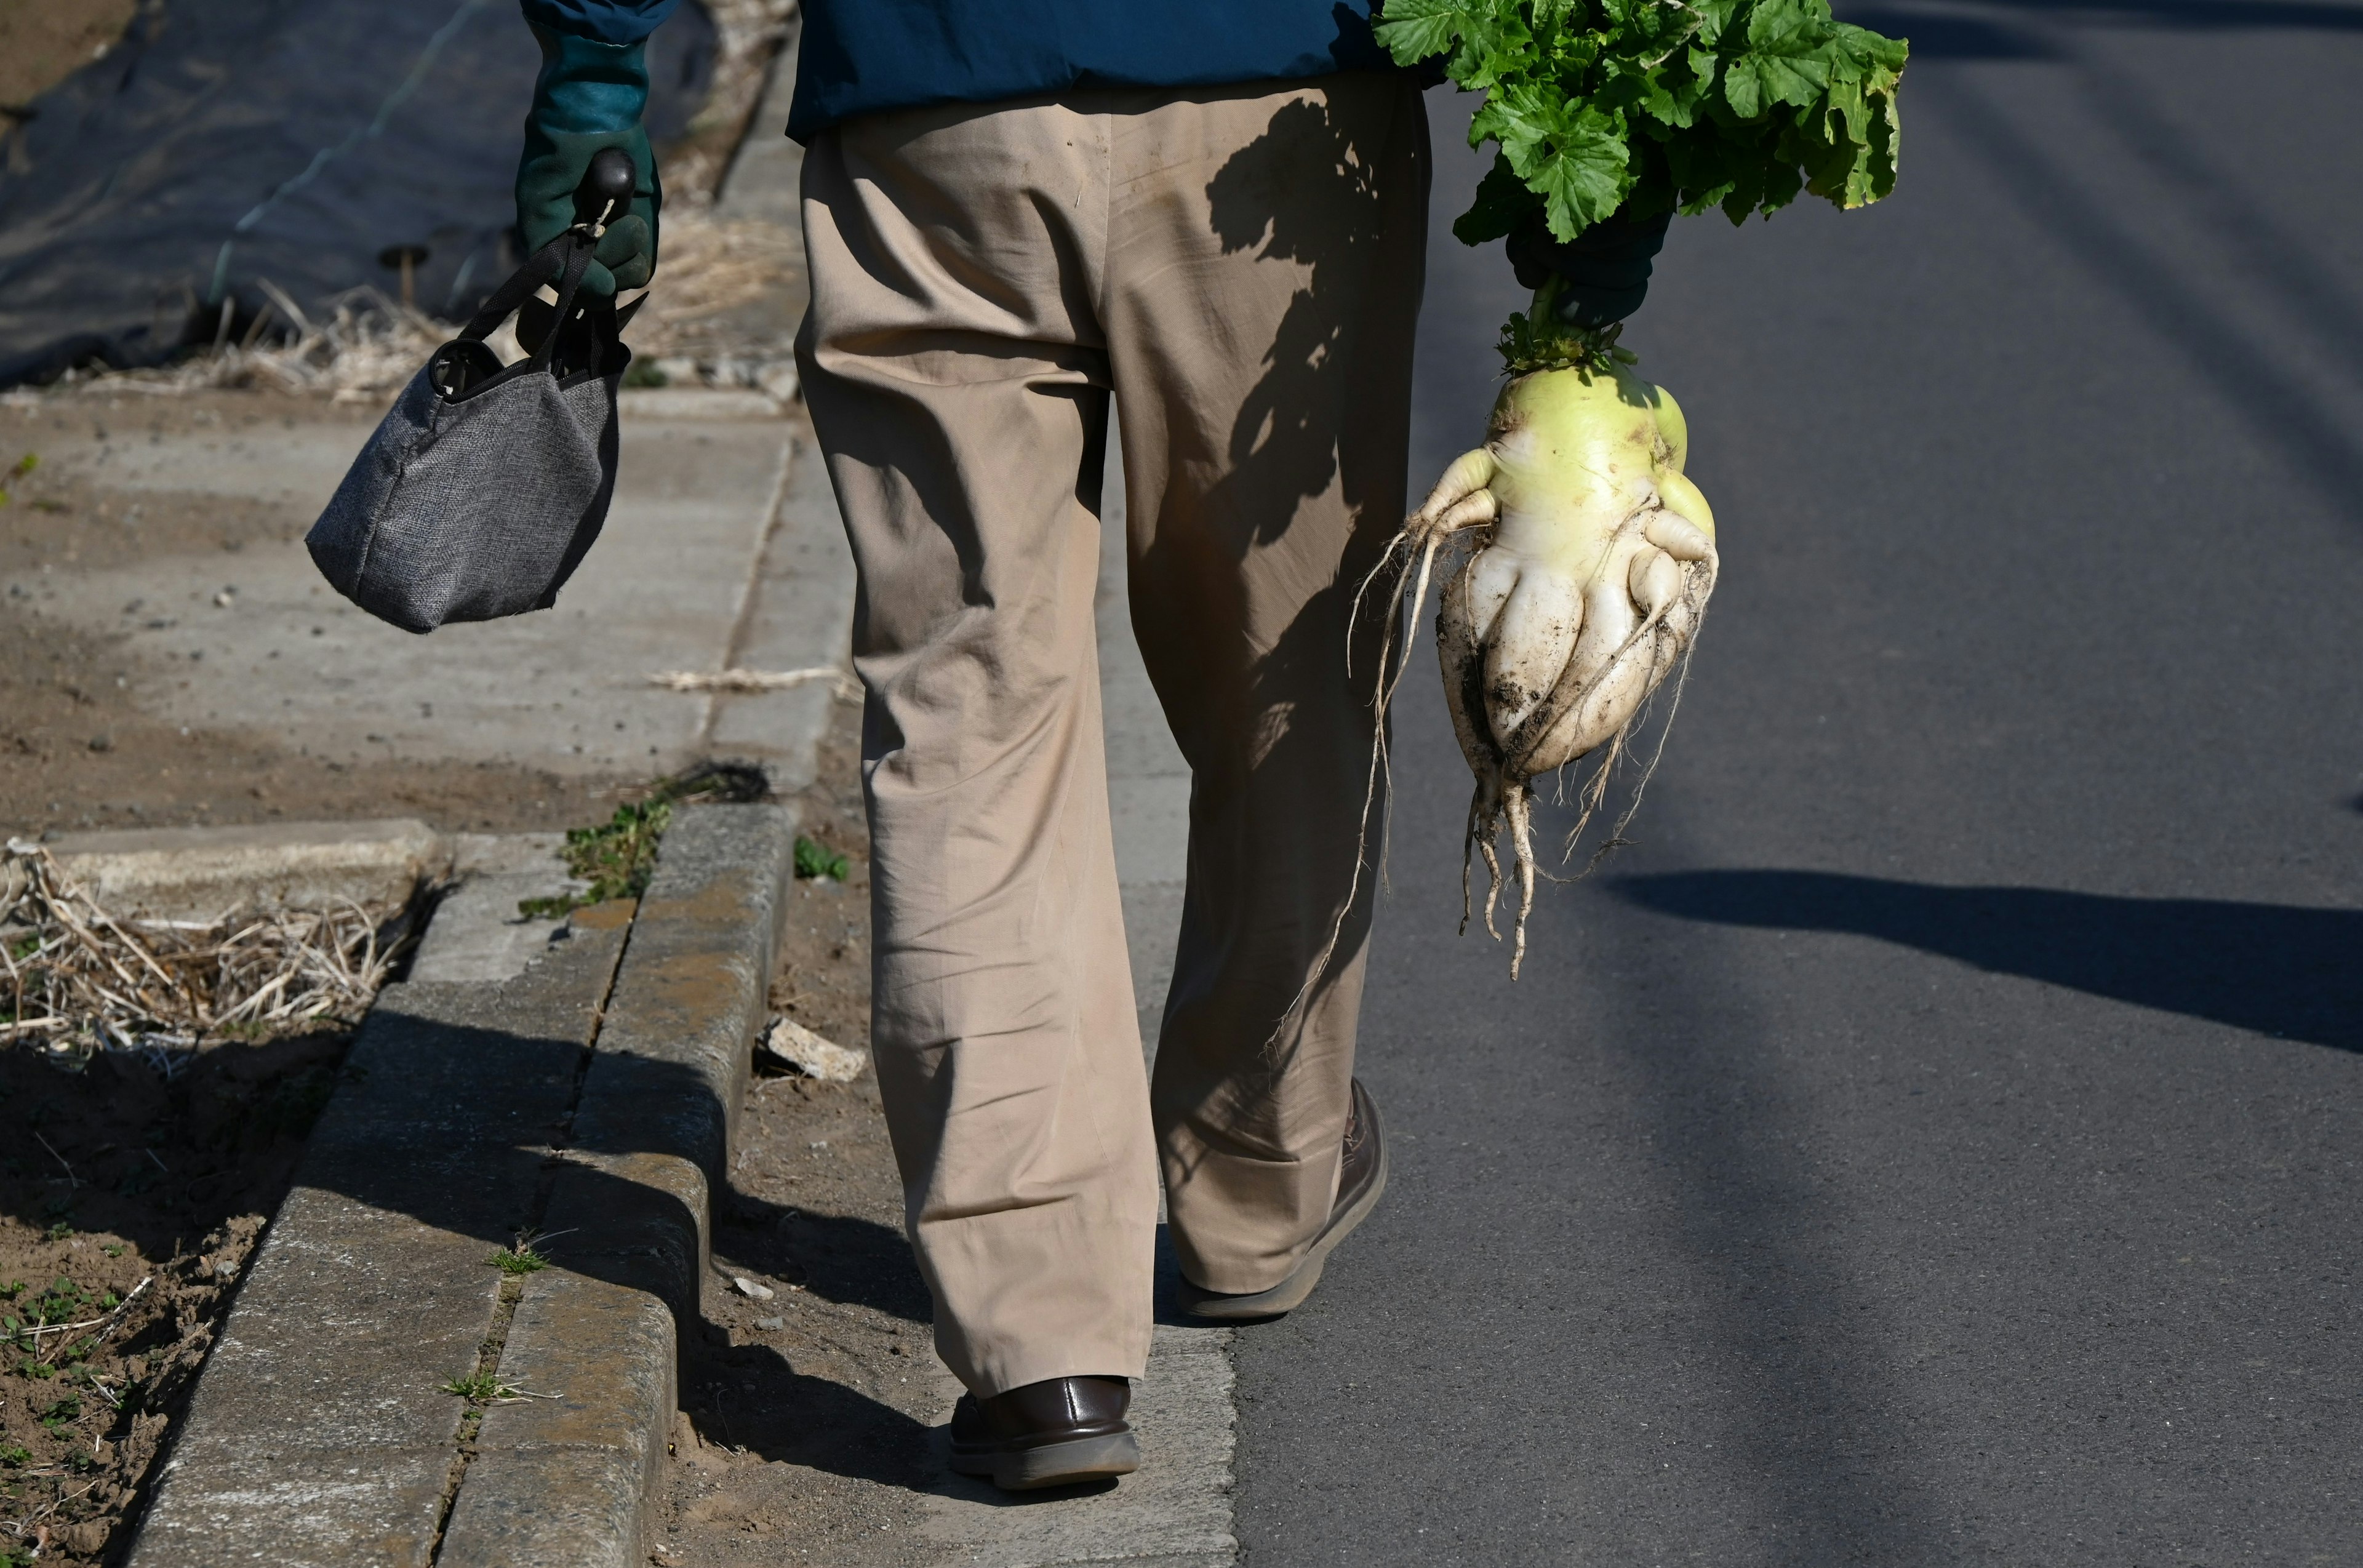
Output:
[[1578, 561]]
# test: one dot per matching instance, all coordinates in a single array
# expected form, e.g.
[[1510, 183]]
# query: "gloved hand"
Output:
[[1604, 271], [589, 96]]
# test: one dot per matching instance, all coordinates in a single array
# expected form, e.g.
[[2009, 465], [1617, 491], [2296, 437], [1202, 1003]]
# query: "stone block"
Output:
[[673, 1053], [560, 1475], [560, 1507], [564, 1481], [372, 1289], [478, 933], [201, 873]]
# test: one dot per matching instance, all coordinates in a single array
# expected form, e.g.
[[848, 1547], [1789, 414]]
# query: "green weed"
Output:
[[813, 860], [24, 465], [619, 855], [520, 1258], [480, 1387]]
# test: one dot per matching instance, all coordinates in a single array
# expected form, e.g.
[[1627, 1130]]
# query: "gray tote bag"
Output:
[[485, 484]]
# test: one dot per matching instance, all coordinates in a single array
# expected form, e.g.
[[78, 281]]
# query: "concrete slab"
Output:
[[764, 186], [476, 934], [692, 992], [765, 179], [799, 615], [469, 1115], [326, 1507], [258, 642], [557, 1507], [202, 874], [699, 403]]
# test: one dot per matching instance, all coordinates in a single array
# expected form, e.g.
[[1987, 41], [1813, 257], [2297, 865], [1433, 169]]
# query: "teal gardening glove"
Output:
[[590, 95]]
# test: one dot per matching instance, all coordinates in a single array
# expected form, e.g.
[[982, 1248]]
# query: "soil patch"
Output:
[[131, 1192], [43, 42], [62, 515], [806, 1415], [76, 750]]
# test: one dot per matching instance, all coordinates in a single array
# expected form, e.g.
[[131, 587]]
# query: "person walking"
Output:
[[1214, 212]]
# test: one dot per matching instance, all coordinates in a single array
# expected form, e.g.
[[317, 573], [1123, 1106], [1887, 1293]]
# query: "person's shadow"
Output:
[[2280, 970]]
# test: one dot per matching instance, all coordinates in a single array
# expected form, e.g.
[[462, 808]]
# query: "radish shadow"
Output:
[[2279, 969]]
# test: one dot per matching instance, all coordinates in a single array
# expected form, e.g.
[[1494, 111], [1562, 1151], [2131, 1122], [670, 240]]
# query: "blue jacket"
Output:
[[858, 57]]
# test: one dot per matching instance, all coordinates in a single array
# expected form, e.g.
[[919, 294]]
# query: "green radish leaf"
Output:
[[1583, 179], [1597, 106], [1714, 16], [1416, 30]]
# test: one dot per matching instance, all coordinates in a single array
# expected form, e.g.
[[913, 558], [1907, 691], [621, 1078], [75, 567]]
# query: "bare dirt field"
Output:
[[43, 42], [131, 1191]]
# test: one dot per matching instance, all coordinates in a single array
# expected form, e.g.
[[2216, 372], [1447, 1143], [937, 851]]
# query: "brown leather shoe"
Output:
[[1047, 1434], [1360, 1179]]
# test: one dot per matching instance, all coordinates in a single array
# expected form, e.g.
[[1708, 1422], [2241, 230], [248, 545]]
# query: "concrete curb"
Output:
[[565, 1480], [319, 1433], [587, 1098]]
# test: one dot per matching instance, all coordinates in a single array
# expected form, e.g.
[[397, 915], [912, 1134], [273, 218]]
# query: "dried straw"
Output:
[[370, 346], [737, 680], [79, 980]]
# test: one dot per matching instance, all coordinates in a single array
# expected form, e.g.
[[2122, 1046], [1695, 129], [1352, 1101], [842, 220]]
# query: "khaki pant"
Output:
[[1241, 267]]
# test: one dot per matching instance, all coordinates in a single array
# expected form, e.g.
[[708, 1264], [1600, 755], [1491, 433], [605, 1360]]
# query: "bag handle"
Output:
[[562, 261]]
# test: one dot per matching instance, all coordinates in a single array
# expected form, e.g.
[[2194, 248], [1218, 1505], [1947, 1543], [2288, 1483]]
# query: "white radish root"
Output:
[[1581, 561]]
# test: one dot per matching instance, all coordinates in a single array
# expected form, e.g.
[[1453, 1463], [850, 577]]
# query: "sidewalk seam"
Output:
[[488, 1357], [750, 589]]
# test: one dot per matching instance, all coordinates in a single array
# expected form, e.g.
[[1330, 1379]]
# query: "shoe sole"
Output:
[[1055, 1464], [1290, 1294]]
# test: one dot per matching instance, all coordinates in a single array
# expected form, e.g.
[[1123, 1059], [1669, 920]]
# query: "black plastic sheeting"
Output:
[[227, 142]]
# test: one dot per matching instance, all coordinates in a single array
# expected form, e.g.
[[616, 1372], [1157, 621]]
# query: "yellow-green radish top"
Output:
[[1576, 453]]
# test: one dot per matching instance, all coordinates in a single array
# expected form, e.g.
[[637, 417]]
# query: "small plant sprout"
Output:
[[521, 1259], [619, 855], [813, 860], [23, 466], [482, 1389], [490, 1388]]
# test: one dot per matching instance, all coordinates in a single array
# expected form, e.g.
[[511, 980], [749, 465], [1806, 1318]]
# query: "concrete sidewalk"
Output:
[[686, 577]]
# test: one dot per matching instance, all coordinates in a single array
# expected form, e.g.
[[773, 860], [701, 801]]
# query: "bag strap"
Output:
[[562, 261]]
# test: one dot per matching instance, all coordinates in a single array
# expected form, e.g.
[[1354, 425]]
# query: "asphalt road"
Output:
[[1934, 1140]]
